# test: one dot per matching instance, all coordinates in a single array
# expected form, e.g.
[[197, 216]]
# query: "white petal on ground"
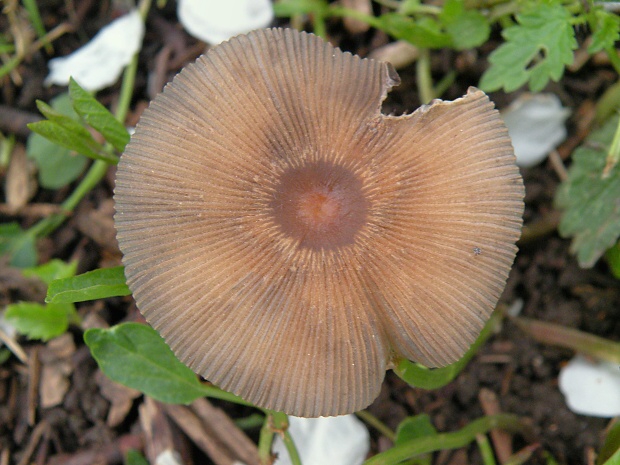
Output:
[[340, 440], [100, 62], [536, 126], [591, 388], [215, 21]]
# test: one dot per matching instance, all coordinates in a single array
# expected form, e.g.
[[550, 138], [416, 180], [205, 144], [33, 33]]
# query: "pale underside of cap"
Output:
[[308, 324]]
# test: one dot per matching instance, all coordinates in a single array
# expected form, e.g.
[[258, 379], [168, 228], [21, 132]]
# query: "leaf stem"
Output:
[[423, 76], [377, 424], [276, 422], [445, 441]]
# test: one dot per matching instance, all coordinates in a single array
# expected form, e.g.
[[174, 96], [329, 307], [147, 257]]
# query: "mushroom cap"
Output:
[[289, 241]]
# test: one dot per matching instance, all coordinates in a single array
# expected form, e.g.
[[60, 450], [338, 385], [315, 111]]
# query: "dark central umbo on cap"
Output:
[[289, 241]]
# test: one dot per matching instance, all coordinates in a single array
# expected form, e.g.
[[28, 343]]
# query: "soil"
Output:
[[59, 409]]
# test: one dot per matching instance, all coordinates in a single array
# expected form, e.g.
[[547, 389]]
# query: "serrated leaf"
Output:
[[425, 32], [97, 284], [591, 201], [419, 376], [38, 321], [606, 29], [536, 49], [467, 28], [98, 116], [136, 356], [57, 165], [18, 245], [54, 269]]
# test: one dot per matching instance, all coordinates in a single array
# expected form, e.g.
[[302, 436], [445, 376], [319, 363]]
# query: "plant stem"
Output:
[[558, 335], [216, 393], [280, 423], [276, 422], [377, 424], [265, 440], [444, 441], [423, 76], [99, 168]]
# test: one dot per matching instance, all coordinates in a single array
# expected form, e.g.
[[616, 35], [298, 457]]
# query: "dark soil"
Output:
[[58, 409]]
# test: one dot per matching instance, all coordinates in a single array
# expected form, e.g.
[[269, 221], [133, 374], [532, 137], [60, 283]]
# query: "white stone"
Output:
[[536, 126], [342, 440], [100, 62], [591, 388], [215, 21]]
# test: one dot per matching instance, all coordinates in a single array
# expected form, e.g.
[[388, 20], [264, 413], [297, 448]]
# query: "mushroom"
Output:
[[289, 241]]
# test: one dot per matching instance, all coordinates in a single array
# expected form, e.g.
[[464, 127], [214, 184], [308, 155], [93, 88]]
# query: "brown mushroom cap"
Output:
[[288, 240]]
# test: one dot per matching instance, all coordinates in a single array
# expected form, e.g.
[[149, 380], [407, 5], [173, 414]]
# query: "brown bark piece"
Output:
[[57, 367], [121, 398], [502, 441], [160, 445], [214, 433]]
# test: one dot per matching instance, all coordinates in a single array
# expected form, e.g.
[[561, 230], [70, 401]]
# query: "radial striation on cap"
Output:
[[289, 241]]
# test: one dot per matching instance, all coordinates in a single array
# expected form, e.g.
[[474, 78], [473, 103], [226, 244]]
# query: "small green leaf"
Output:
[[467, 28], [613, 259], [606, 29], [287, 8], [417, 375], [136, 356], [98, 116], [133, 457], [536, 50], [54, 269], [38, 321], [97, 284], [5, 354], [71, 135], [591, 201], [18, 245], [425, 32], [413, 428], [611, 446]]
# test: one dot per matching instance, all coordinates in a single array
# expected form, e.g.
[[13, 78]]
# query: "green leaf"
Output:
[[536, 50], [18, 245], [5, 354], [54, 269], [425, 32], [412, 428], [418, 375], [73, 136], [287, 8], [136, 356], [98, 116], [38, 321], [97, 284], [133, 457], [611, 446], [606, 29], [57, 165], [467, 28], [613, 259], [589, 200]]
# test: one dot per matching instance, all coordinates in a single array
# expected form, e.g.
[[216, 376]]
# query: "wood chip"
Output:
[[20, 184], [56, 370], [159, 437], [502, 441], [214, 433], [355, 26], [121, 398]]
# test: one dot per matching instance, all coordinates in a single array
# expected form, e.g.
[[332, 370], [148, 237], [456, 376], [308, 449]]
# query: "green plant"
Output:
[[136, 356]]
